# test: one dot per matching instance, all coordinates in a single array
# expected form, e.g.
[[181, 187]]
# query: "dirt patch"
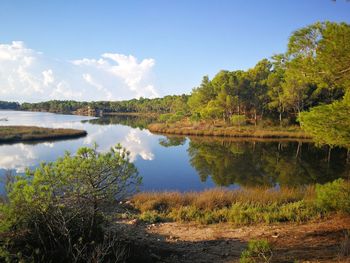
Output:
[[317, 241]]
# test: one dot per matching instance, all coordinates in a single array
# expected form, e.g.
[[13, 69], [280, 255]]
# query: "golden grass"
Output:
[[31, 133], [219, 198], [205, 129]]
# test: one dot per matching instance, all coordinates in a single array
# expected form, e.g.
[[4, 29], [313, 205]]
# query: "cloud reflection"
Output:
[[19, 156]]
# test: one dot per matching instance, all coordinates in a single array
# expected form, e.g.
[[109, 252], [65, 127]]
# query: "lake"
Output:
[[175, 162]]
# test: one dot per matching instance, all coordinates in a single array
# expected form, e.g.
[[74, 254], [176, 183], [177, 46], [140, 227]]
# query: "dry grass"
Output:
[[219, 198], [31, 133], [205, 129], [246, 205]]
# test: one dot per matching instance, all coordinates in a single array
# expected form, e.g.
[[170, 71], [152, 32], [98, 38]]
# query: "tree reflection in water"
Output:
[[265, 163]]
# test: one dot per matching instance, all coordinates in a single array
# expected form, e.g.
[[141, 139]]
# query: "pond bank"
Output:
[[11, 134]]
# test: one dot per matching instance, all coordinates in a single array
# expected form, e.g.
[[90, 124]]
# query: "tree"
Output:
[[321, 54], [258, 87], [328, 124], [201, 96], [274, 83], [56, 212]]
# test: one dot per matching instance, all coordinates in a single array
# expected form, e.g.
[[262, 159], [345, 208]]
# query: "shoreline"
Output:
[[233, 132], [14, 134]]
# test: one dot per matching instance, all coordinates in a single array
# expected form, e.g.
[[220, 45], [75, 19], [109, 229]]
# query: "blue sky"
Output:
[[180, 41]]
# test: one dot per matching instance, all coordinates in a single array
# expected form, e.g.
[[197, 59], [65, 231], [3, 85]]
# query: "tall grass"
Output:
[[244, 206]]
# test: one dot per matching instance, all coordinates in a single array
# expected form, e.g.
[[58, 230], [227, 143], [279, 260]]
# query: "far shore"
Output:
[[11, 134], [291, 132]]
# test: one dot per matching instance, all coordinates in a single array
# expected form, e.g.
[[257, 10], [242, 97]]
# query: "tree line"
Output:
[[170, 103]]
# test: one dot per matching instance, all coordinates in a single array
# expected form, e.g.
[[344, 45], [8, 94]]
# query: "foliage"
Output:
[[150, 217], [311, 72], [56, 212], [171, 117], [328, 124], [167, 104], [6, 105], [238, 120], [334, 196], [257, 251]]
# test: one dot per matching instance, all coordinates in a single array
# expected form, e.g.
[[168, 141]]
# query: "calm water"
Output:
[[178, 163]]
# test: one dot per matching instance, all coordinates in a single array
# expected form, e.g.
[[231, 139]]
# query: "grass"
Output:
[[244, 206], [221, 129], [31, 133]]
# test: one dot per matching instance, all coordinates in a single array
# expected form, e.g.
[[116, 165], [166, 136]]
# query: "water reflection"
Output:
[[247, 163], [18, 156], [175, 162], [132, 121]]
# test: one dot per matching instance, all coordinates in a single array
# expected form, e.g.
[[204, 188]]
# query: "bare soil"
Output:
[[318, 241]]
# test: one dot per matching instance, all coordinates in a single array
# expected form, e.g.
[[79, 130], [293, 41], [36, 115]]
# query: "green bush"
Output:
[[164, 117], [238, 120], [151, 217], [334, 196], [257, 251], [55, 213]]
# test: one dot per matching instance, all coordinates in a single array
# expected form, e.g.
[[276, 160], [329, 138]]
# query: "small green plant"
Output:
[[151, 217], [257, 251]]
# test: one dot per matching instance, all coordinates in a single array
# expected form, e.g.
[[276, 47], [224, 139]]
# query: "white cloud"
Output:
[[136, 145], [48, 77], [27, 75], [134, 75]]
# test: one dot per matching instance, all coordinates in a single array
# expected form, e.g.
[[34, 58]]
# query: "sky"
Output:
[[114, 50]]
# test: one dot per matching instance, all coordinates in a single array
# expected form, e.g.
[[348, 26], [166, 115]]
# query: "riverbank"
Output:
[[203, 129], [10, 134]]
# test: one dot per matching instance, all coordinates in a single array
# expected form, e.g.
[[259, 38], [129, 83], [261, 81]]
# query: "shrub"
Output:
[[238, 120], [55, 213], [257, 251], [334, 196], [164, 117], [151, 217]]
